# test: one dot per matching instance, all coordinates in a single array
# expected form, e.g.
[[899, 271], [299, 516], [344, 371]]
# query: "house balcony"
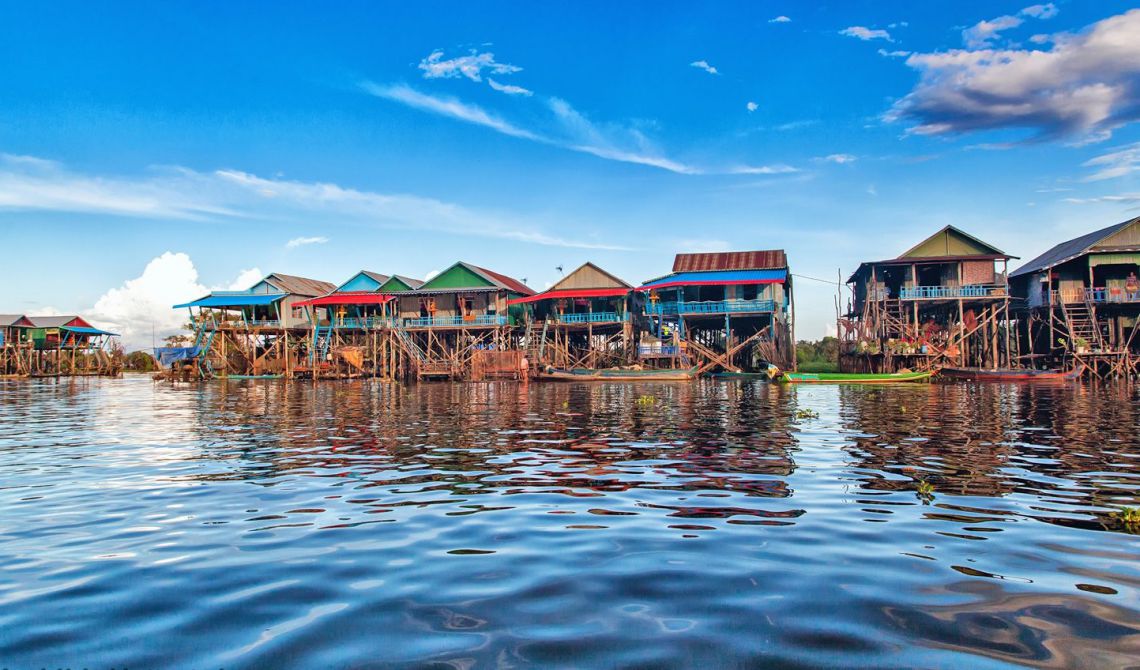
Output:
[[1094, 295], [657, 350], [360, 323], [953, 292], [469, 321], [711, 307], [590, 317]]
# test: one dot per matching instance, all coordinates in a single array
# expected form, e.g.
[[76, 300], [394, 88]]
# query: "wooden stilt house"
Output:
[[730, 311], [64, 346], [943, 303], [1079, 302], [582, 321], [261, 331], [459, 324], [15, 345]]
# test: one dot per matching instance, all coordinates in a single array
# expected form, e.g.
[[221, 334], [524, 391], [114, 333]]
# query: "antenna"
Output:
[[559, 268]]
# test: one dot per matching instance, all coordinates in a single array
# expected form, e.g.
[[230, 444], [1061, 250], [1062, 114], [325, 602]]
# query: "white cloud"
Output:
[[1123, 161], [245, 279], [303, 241], [704, 65], [1086, 86], [871, 190], [752, 106], [780, 19], [1123, 198], [840, 158], [140, 308], [980, 36], [763, 169], [470, 66], [449, 107], [236, 195], [509, 89], [893, 54], [431, 274], [864, 33]]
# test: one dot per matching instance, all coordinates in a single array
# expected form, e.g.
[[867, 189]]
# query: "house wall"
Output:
[[360, 282]]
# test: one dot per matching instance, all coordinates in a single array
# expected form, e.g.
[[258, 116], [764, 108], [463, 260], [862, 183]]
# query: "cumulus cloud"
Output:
[[1046, 11], [140, 308], [780, 19], [752, 106], [1118, 163], [1085, 86], [840, 158], [865, 34], [704, 65], [304, 241], [470, 66]]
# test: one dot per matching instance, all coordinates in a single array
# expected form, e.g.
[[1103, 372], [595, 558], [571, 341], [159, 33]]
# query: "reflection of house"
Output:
[[258, 331], [1082, 298], [581, 321], [943, 302], [730, 310]]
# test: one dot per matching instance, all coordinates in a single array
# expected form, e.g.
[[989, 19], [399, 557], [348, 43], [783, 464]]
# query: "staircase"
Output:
[[535, 346], [893, 319], [1080, 318], [322, 337]]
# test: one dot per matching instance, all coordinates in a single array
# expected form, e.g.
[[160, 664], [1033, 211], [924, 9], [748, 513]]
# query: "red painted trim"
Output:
[[573, 293], [711, 283], [346, 299]]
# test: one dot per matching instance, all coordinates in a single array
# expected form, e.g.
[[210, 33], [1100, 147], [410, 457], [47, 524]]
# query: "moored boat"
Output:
[[852, 378], [1008, 375], [616, 375]]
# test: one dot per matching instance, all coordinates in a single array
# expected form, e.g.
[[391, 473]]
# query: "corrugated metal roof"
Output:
[[56, 321], [88, 331], [501, 280], [234, 300], [772, 259], [8, 320], [1069, 250], [413, 283], [299, 285], [724, 277], [376, 276]]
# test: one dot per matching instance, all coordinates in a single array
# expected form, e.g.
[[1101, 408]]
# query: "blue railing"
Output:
[[364, 322], [1095, 295], [591, 317], [712, 307], [938, 292], [658, 350], [456, 321]]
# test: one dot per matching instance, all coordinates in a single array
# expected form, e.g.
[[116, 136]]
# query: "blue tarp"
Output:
[[718, 277], [231, 300], [169, 355], [83, 330]]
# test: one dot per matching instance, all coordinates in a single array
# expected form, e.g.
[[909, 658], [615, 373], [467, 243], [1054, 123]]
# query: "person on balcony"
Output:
[[1132, 286]]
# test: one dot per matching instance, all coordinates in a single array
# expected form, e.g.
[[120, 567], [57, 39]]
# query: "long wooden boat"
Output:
[[852, 378], [616, 375], [992, 375]]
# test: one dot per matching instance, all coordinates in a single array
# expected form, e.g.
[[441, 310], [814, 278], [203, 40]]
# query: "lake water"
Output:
[[713, 524]]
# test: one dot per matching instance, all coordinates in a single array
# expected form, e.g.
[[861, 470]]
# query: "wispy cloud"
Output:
[[1118, 163], [704, 65], [470, 66], [303, 241], [449, 107], [839, 158], [780, 19], [565, 127], [181, 194], [983, 33], [1085, 86], [1123, 198], [865, 34], [509, 89], [751, 106], [893, 54], [763, 169]]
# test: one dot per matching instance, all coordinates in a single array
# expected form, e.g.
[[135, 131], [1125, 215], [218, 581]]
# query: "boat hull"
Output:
[[989, 375], [618, 375], [845, 378]]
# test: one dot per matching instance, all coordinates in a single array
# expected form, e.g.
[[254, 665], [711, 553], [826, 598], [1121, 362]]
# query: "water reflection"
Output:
[[709, 524]]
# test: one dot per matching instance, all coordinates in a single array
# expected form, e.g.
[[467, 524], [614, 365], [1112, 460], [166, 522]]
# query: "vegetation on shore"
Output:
[[819, 356]]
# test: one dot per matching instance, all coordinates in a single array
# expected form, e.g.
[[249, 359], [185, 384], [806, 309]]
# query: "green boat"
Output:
[[853, 378]]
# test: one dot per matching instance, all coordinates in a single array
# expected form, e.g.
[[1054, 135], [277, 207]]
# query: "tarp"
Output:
[[346, 299], [250, 300], [167, 356], [83, 330], [572, 293], [734, 277]]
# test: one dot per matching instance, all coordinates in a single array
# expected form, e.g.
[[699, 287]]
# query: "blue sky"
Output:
[[148, 152]]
